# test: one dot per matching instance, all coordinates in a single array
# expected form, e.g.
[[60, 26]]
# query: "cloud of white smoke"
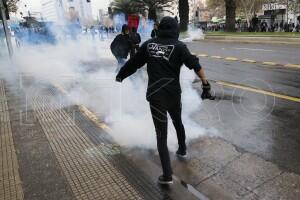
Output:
[[86, 69]]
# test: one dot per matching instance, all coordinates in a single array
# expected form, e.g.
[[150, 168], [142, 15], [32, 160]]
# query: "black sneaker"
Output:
[[181, 153], [165, 180]]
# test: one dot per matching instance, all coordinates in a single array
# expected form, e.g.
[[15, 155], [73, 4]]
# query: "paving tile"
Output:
[[70, 146], [10, 187], [284, 187], [244, 174], [206, 157]]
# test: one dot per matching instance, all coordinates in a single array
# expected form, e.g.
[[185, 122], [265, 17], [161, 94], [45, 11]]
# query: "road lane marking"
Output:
[[260, 91], [249, 61], [292, 66], [254, 49], [203, 55], [231, 59], [217, 57], [269, 63]]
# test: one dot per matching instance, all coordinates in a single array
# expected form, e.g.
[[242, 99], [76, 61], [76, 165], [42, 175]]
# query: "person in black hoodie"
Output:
[[164, 56], [154, 31], [135, 40], [121, 46]]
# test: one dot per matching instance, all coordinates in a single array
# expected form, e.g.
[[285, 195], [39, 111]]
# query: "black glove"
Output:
[[206, 92], [118, 79]]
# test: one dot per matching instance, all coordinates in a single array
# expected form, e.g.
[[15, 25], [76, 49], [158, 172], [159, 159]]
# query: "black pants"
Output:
[[159, 112]]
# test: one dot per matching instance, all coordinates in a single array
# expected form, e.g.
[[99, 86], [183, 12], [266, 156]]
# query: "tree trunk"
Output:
[[184, 14], [230, 15], [152, 14]]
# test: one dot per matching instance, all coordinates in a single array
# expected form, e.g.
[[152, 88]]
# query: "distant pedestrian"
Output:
[[121, 46], [281, 26], [298, 27], [154, 31], [254, 23], [286, 27], [135, 40], [263, 26], [276, 27], [93, 32]]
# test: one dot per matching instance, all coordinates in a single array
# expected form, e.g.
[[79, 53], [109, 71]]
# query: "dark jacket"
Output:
[[154, 33], [164, 57], [121, 46], [135, 38]]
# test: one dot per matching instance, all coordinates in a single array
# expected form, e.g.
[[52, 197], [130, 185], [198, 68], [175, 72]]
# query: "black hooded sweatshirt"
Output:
[[164, 56], [121, 45]]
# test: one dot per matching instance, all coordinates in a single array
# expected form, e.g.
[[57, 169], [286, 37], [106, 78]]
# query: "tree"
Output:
[[124, 6], [152, 6], [12, 6], [230, 12], [249, 7], [292, 5], [141, 6], [183, 14], [230, 6], [246, 7], [217, 7]]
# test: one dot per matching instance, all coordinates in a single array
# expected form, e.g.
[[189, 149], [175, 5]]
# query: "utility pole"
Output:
[[287, 11], [6, 30]]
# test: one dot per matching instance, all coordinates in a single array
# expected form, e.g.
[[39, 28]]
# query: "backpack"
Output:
[[120, 47], [135, 38]]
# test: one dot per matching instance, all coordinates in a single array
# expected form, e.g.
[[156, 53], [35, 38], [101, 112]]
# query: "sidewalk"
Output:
[[50, 151]]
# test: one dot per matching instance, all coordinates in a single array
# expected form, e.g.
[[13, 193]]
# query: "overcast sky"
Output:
[[96, 5]]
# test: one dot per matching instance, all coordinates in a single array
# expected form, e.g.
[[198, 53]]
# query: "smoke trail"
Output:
[[194, 34]]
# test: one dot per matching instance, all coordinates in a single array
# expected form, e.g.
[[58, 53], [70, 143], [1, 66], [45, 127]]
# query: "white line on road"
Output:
[[254, 49]]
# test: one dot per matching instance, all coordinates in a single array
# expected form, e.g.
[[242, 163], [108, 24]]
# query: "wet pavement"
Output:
[[258, 123]]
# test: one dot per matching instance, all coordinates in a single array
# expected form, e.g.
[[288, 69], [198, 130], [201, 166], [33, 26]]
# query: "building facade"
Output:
[[72, 10], [278, 13]]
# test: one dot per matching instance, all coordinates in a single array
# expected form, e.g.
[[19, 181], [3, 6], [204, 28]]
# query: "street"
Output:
[[262, 124]]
